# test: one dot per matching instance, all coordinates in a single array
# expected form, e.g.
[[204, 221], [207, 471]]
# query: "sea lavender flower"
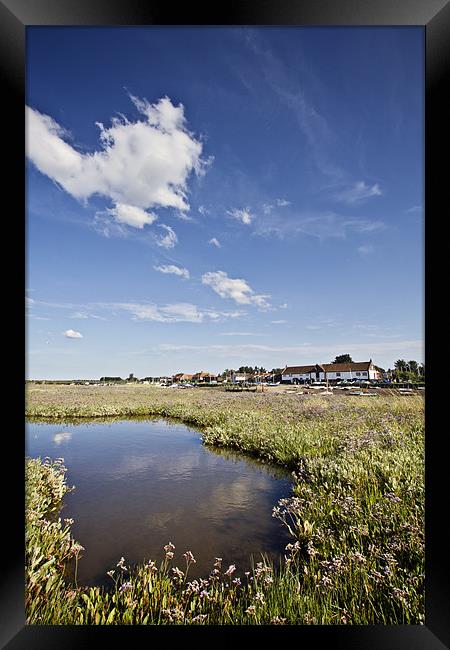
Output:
[[169, 548], [192, 588], [151, 566], [278, 620], [231, 569], [76, 548], [259, 597], [358, 557], [177, 573], [199, 618]]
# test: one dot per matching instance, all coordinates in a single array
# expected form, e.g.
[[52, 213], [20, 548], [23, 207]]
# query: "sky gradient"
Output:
[[206, 198]]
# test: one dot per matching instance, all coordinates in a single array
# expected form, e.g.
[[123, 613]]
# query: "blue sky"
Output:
[[205, 198]]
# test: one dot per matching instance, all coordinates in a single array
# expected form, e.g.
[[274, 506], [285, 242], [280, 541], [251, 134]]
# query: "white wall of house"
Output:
[[305, 377], [359, 374], [332, 376]]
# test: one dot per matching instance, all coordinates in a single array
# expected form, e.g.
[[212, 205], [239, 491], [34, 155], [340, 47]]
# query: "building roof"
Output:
[[200, 375], [301, 370], [347, 367], [328, 367]]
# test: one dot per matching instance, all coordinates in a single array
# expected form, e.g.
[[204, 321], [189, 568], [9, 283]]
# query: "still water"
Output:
[[142, 483]]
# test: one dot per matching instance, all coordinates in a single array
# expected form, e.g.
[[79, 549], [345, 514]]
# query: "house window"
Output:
[[338, 374], [358, 374]]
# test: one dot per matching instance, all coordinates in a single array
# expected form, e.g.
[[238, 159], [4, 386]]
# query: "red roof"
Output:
[[328, 367]]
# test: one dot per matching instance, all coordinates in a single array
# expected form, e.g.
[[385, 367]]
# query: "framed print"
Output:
[[230, 266]]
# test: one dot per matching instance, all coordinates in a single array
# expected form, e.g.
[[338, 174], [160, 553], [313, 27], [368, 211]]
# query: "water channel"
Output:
[[142, 483]]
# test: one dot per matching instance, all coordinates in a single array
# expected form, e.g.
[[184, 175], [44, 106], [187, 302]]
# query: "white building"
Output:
[[362, 370]]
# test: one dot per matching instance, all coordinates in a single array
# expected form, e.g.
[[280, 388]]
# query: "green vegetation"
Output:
[[343, 358], [410, 371], [356, 514]]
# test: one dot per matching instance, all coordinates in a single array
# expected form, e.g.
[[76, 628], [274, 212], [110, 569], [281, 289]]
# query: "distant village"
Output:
[[342, 370]]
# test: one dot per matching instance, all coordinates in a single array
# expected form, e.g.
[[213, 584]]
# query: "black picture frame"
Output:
[[434, 17]]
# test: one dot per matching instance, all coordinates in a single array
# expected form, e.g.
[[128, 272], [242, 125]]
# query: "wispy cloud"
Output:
[[82, 315], [172, 269], [320, 136], [244, 216], [173, 313], [236, 289], [215, 242], [290, 93], [149, 311], [321, 225], [365, 250], [241, 334], [300, 353], [280, 203], [169, 239], [358, 193]]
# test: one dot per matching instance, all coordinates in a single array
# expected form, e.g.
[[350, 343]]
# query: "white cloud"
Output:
[[172, 313], [183, 216], [176, 312], [131, 215], [280, 203], [358, 193], [171, 268], [235, 288], [107, 226], [279, 322], [365, 250], [215, 242], [320, 225], [169, 240], [82, 315], [244, 216], [203, 210], [307, 353], [139, 165], [241, 334], [72, 334]]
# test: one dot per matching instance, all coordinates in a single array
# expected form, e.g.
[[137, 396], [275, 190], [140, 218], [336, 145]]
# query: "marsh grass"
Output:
[[356, 514]]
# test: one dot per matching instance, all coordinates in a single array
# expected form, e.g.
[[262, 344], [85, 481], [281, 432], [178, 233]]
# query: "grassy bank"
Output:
[[356, 513]]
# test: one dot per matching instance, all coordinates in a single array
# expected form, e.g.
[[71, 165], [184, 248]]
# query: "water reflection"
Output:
[[63, 436], [142, 483]]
